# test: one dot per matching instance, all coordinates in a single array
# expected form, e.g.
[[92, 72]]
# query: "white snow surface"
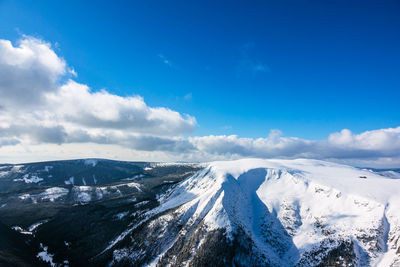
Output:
[[85, 193], [135, 177], [171, 164], [17, 168], [121, 215], [92, 162], [310, 200], [82, 193], [45, 256], [31, 229], [33, 178], [54, 193], [14, 169], [71, 180], [50, 194], [34, 226], [135, 185], [47, 168], [21, 230], [4, 173]]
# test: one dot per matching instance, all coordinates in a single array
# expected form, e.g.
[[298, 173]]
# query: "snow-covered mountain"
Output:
[[256, 212], [248, 212]]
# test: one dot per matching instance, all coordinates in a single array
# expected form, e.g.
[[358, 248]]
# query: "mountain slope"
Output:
[[44, 220], [269, 213], [15, 249]]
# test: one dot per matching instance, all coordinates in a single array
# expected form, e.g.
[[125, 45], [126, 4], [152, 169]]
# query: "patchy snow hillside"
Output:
[[256, 212]]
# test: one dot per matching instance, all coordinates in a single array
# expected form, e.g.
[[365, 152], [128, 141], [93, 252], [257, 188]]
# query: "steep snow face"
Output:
[[293, 210]]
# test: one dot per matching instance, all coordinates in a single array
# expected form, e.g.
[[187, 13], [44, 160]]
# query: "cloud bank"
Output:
[[383, 143], [43, 109]]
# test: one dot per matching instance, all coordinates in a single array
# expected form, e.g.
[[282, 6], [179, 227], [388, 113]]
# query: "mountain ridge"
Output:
[[288, 210]]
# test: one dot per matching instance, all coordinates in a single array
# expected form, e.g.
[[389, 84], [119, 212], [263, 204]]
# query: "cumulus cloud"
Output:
[[376, 143], [272, 146], [40, 103], [75, 103], [27, 71]]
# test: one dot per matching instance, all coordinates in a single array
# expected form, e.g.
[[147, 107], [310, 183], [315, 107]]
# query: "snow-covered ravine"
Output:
[[295, 211]]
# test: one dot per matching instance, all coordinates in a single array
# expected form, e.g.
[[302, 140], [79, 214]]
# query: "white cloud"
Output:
[[74, 103], [356, 149], [387, 139], [376, 143], [272, 146], [27, 71], [39, 104], [379, 145]]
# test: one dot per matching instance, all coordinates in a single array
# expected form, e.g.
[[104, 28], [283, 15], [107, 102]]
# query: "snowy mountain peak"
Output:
[[290, 211]]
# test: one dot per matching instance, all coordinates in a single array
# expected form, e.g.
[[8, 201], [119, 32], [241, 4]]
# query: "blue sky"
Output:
[[306, 68], [196, 81]]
